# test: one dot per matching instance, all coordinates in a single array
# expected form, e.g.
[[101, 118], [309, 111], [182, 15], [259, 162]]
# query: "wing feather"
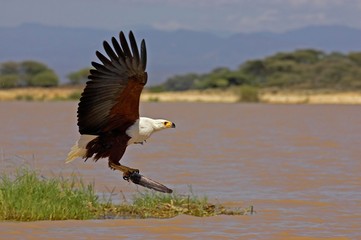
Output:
[[106, 62], [113, 57], [119, 51], [125, 46], [135, 50], [110, 100], [143, 51], [101, 68]]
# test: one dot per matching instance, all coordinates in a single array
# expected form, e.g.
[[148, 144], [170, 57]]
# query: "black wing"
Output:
[[110, 99]]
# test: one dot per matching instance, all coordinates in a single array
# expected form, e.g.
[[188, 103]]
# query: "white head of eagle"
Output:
[[108, 111]]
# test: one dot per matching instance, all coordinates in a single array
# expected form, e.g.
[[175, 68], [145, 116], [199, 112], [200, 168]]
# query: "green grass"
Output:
[[26, 196], [25, 97], [151, 204], [153, 99], [74, 95], [248, 94]]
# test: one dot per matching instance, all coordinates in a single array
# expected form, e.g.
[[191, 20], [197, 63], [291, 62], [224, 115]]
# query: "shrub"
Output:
[[79, 77], [248, 94], [8, 81], [44, 79]]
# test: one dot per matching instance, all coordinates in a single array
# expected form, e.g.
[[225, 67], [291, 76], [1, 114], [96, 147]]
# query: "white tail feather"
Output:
[[79, 149]]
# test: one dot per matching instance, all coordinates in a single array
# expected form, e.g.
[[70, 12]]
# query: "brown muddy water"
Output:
[[298, 165]]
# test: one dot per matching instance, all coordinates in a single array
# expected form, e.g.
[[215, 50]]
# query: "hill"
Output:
[[69, 49]]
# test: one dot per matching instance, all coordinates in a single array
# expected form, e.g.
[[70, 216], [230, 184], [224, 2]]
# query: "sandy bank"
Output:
[[228, 96]]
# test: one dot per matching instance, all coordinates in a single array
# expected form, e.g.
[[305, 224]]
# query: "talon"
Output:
[[128, 174], [126, 178]]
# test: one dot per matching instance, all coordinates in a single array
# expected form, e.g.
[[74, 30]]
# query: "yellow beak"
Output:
[[169, 125]]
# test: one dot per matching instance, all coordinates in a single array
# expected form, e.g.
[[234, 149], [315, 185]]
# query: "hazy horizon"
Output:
[[216, 16]]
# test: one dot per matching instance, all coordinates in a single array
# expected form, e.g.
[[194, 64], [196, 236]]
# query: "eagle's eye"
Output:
[[165, 123]]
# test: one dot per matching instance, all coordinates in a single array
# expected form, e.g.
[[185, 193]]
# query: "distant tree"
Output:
[[221, 77], [308, 56], [283, 80], [355, 57], [255, 71], [254, 67], [335, 56], [28, 69], [305, 56], [211, 82], [9, 81], [180, 82], [215, 79], [330, 72], [32, 68], [236, 78], [300, 69], [79, 77], [26, 73], [44, 79], [220, 71], [9, 68], [156, 88], [352, 79]]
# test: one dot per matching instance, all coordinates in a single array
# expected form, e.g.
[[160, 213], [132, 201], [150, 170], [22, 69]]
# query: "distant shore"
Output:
[[226, 96]]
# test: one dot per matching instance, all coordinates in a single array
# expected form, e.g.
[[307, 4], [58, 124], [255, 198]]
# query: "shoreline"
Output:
[[215, 96]]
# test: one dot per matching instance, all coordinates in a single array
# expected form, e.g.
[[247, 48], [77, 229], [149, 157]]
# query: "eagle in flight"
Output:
[[108, 111]]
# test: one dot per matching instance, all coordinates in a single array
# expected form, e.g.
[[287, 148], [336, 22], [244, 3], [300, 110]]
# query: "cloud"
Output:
[[319, 3], [170, 25]]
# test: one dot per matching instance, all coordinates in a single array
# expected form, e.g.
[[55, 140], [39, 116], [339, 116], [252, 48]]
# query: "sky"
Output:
[[228, 16]]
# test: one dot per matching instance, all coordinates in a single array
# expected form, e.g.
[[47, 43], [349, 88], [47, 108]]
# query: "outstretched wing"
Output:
[[110, 101]]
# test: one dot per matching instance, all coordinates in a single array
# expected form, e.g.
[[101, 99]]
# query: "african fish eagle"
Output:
[[108, 111]]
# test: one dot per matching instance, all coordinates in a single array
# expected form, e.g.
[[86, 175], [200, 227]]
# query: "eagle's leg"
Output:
[[141, 142], [127, 171]]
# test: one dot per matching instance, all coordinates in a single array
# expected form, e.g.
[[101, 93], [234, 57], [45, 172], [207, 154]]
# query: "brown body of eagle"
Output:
[[108, 111]]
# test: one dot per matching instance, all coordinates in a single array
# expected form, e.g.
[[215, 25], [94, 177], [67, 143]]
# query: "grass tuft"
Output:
[[152, 204], [27, 196]]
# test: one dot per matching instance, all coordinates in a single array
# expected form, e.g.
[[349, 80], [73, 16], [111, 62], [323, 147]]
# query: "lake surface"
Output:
[[298, 165]]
